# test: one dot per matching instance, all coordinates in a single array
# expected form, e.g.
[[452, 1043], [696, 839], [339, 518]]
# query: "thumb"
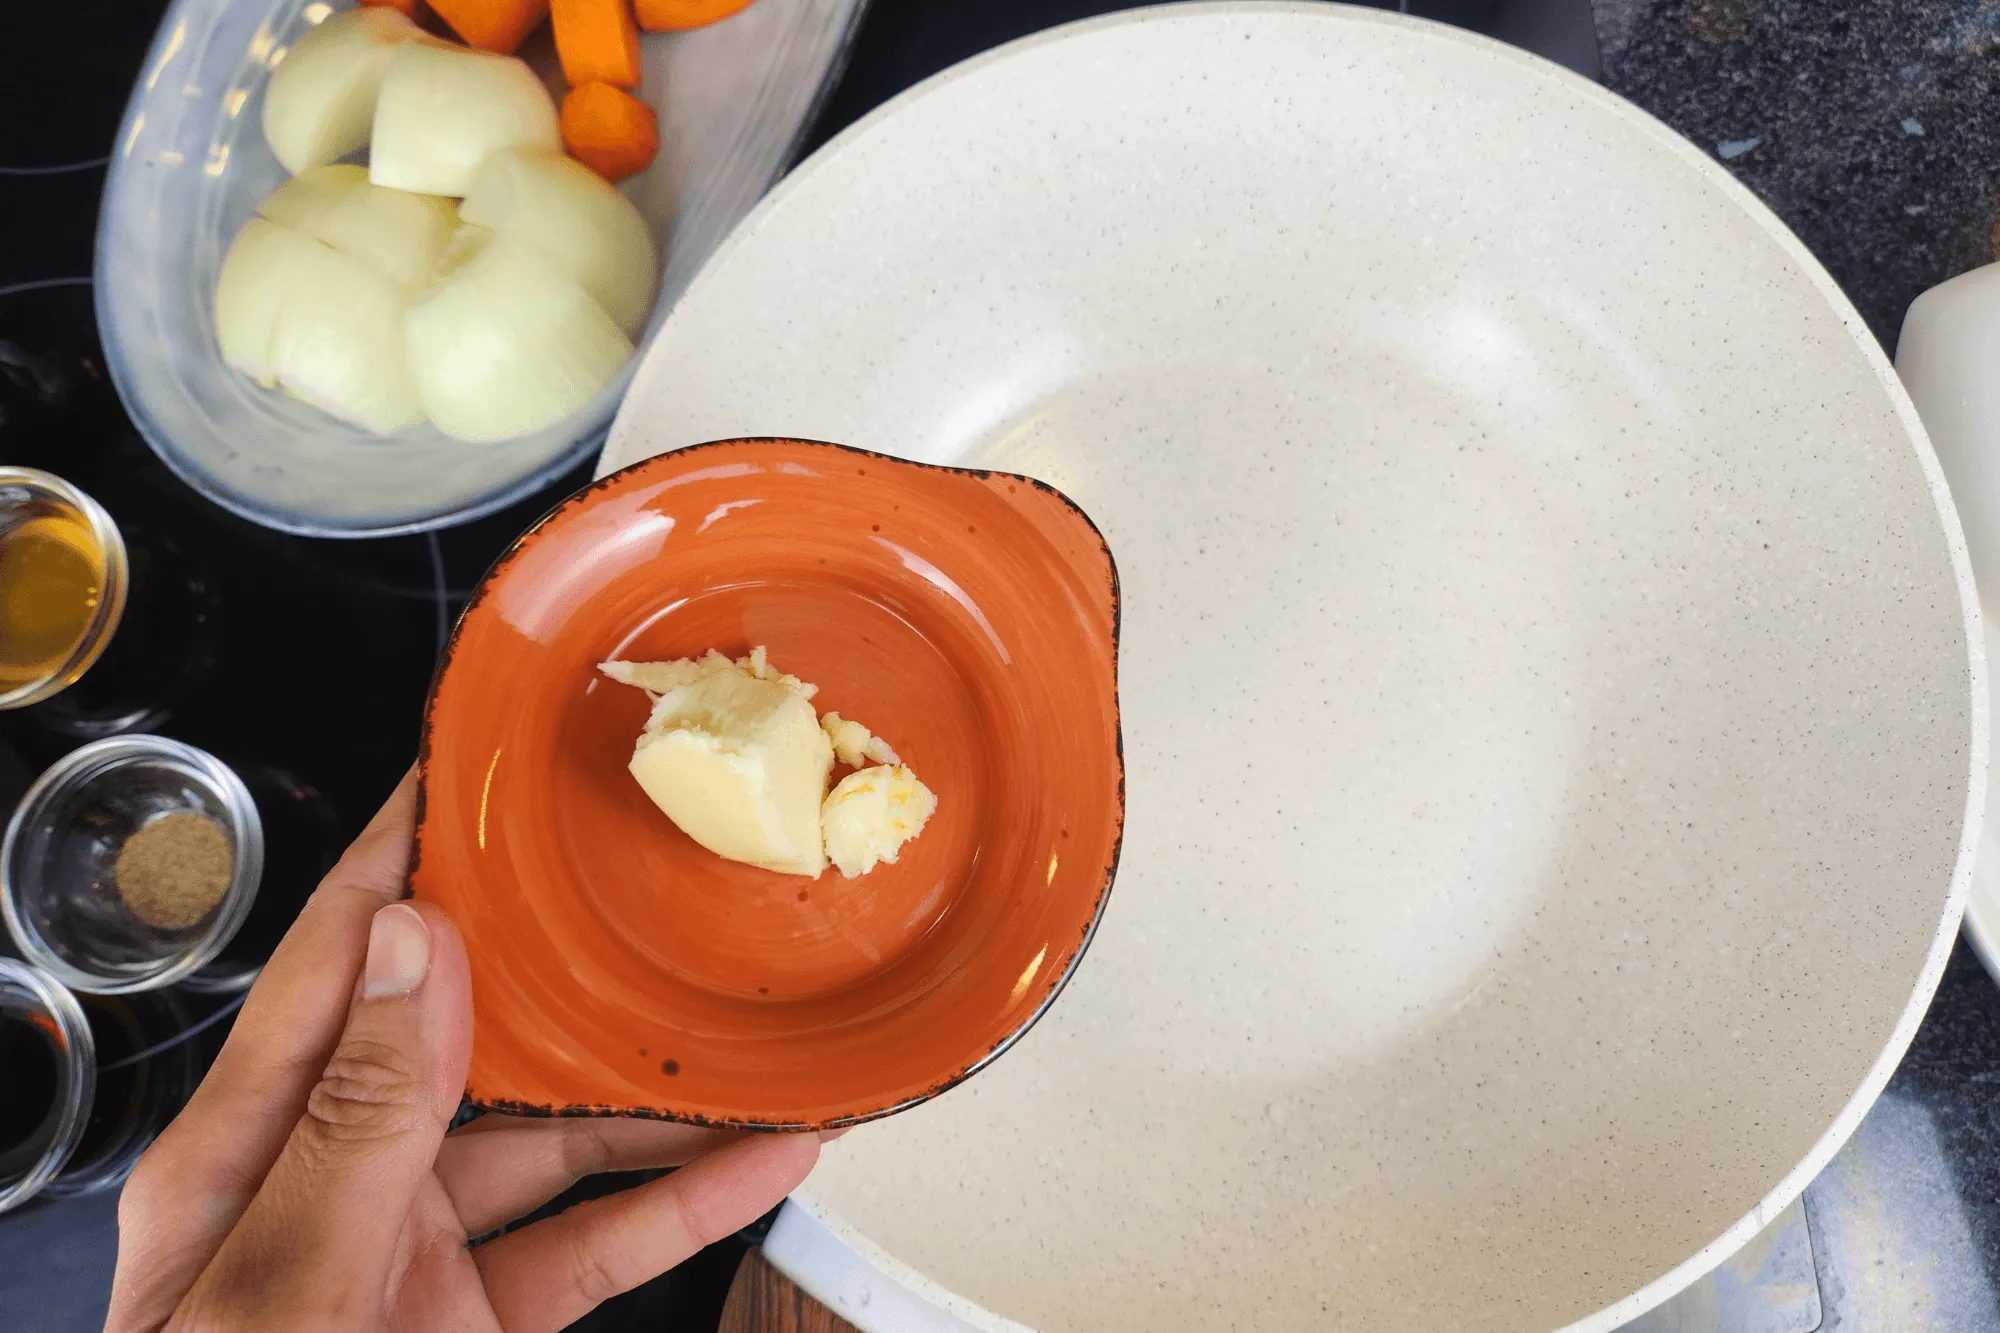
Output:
[[326, 1221]]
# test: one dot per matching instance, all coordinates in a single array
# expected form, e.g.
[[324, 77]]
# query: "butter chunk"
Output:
[[870, 815], [854, 745], [656, 678], [735, 756]]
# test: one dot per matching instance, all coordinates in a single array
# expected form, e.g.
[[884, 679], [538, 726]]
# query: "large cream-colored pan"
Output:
[[1554, 703]]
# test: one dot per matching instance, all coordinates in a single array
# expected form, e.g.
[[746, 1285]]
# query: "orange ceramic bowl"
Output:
[[969, 618]]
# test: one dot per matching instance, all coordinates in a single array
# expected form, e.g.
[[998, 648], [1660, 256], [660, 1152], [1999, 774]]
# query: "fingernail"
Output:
[[399, 952]]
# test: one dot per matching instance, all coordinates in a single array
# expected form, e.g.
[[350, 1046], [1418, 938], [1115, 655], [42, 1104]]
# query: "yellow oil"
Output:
[[51, 579]]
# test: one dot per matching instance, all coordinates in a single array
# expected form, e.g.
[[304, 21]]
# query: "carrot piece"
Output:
[[609, 130], [492, 25], [408, 7], [597, 40], [676, 15]]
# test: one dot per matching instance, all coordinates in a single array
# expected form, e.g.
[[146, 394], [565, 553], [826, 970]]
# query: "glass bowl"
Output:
[[145, 1075], [27, 494], [56, 884], [33, 1008], [190, 164]]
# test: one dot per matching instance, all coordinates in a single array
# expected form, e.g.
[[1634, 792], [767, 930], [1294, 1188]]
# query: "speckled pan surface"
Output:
[[1553, 704]]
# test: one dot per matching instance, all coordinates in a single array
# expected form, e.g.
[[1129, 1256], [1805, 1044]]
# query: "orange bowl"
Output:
[[969, 618]]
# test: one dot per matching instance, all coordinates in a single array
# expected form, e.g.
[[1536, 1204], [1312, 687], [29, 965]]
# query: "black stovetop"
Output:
[[321, 651]]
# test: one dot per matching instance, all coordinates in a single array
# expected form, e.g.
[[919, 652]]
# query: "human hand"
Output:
[[310, 1183]]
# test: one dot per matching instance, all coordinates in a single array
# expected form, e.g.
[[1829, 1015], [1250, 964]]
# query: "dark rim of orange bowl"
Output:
[[661, 462]]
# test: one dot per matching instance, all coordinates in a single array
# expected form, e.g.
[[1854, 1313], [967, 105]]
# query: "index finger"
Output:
[[294, 1016], [547, 1276], [198, 1177]]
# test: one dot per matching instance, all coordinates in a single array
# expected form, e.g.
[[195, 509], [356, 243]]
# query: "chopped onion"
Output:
[[465, 245], [575, 220], [322, 325], [508, 345], [321, 99], [444, 109], [246, 301], [398, 234], [306, 197]]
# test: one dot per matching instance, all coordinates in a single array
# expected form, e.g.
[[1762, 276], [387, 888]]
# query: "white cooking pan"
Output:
[[1553, 695]]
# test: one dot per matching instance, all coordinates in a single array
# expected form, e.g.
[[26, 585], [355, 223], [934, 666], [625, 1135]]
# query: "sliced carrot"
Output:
[[676, 15], [597, 40], [609, 130], [492, 25], [408, 7]]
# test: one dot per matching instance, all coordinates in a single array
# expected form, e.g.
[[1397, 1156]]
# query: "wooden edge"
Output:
[[763, 1300]]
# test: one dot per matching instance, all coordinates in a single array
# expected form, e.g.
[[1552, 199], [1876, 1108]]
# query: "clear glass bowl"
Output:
[[27, 493], [139, 1087], [32, 1159], [56, 885], [190, 164]]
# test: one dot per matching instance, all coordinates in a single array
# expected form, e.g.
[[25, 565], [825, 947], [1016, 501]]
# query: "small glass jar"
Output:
[[51, 1062], [33, 503], [137, 1093], [57, 886]]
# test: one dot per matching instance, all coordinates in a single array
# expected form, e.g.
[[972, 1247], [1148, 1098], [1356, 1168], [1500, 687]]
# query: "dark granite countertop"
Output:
[[1871, 127]]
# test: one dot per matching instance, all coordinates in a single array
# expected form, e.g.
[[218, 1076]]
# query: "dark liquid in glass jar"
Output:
[[28, 1080]]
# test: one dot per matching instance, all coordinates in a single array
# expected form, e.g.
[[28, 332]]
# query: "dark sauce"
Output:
[[28, 1079]]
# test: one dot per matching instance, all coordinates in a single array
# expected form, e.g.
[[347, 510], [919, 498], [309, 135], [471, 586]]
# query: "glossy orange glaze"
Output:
[[970, 619]]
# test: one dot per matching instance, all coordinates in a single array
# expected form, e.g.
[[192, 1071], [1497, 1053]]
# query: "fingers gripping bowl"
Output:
[[619, 968]]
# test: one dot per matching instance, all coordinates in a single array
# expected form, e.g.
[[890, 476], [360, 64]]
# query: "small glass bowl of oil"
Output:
[[63, 578], [59, 888]]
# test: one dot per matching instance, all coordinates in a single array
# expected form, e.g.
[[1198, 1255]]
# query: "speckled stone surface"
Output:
[[1492, 714], [1872, 128]]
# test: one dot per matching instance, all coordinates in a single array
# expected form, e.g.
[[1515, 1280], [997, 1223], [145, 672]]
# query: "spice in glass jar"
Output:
[[174, 870]]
